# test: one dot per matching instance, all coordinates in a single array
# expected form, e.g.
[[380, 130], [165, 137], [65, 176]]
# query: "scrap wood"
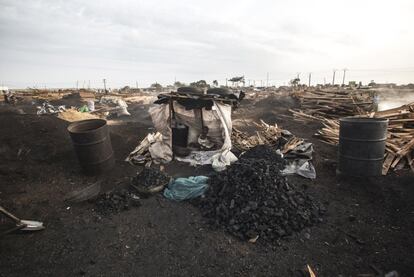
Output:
[[267, 134], [406, 148], [387, 163], [401, 163], [410, 161], [291, 144], [332, 104], [311, 273]]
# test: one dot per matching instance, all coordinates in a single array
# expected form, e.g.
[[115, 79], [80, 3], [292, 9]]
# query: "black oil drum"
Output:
[[180, 135], [179, 140], [92, 145], [361, 146]]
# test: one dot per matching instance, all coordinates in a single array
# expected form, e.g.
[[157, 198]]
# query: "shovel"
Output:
[[22, 224]]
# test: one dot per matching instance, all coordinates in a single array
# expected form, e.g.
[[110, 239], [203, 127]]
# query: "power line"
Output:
[[267, 79], [343, 77]]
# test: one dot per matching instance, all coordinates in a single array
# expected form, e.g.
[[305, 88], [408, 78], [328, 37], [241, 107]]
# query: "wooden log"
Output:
[[387, 163]]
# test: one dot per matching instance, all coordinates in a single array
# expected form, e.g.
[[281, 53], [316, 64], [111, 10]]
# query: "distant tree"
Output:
[[294, 82], [237, 80], [215, 83], [178, 84], [352, 83], [156, 86], [125, 89], [200, 84]]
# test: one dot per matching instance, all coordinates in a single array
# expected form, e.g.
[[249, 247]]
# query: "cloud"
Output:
[[59, 42]]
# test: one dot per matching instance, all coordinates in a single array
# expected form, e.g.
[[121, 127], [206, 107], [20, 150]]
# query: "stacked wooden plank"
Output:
[[333, 103], [266, 134], [400, 137]]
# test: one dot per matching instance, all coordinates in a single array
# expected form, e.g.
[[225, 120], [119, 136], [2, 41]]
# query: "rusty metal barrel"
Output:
[[92, 144], [361, 146]]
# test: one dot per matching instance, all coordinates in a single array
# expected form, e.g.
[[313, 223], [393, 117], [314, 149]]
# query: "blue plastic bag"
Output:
[[186, 188]]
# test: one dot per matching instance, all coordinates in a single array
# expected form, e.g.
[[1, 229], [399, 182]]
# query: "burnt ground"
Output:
[[369, 223]]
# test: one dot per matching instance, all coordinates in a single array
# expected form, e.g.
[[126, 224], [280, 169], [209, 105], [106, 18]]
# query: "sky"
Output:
[[54, 43]]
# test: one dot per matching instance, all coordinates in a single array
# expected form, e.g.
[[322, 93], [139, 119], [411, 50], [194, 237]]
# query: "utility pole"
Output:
[[226, 82], [343, 77], [89, 84], [77, 85], [267, 79], [309, 81], [104, 82], [136, 84], [333, 77]]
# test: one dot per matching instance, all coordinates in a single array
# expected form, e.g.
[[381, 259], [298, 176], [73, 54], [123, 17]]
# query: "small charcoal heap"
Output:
[[150, 181], [116, 201], [251, 199]]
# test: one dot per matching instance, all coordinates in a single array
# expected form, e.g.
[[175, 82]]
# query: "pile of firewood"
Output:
[[332, 104], [400, 137], [267, 134]]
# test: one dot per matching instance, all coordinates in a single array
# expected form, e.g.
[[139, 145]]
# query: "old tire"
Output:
[[189, 90], [219, 91]]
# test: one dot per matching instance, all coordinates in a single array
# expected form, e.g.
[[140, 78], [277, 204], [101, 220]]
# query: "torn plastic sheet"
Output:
[[301, 167], [304, 151], [198, 157], [122, 108], [151, 146], [119, 104], [217, 158], [299, 161]]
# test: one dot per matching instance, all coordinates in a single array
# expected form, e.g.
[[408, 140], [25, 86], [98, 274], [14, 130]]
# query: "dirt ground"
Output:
[[368, 228]]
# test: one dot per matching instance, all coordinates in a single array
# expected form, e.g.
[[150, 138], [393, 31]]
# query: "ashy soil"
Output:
[[367, 229]]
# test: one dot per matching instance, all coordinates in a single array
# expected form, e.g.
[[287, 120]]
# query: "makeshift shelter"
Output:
[[192, 126]]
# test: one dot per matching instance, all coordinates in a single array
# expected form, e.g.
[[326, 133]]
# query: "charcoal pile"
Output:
[[149, 181], [251, 199], [114, 202], [266, 153]]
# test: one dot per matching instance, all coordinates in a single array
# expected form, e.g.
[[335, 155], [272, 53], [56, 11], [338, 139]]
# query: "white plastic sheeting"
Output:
[[161, 150], [299, 161], [218, 120]]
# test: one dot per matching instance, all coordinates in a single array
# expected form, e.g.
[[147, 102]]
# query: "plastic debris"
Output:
[[186, 188], [47, 108]]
